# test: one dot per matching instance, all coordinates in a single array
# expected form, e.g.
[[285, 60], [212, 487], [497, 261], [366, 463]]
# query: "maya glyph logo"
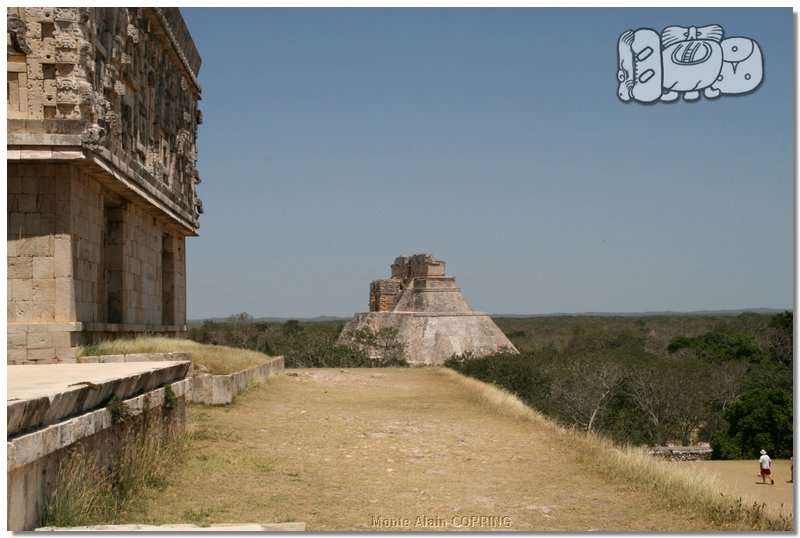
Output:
[[686, 61]]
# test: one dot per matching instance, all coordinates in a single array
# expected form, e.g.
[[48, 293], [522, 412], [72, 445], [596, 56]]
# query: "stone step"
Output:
[[42, 395]]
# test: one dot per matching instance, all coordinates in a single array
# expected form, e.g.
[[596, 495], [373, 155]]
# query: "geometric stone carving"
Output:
[[17, 29]]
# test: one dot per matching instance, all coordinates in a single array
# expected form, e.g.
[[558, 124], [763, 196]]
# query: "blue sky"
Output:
[[335, 140]]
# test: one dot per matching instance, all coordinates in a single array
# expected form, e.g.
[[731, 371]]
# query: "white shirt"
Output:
[[764, 461]]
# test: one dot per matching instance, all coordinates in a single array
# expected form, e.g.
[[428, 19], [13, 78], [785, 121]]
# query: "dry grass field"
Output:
[[222, 360], [392, 449]]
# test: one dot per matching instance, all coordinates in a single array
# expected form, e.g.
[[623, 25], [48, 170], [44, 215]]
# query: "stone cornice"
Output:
[[176, 47], [99, 162]]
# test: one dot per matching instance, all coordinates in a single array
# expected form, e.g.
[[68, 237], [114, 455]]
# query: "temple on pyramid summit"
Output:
[[432, 318]]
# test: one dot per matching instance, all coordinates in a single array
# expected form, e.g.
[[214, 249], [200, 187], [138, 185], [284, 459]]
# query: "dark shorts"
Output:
[[765, 472]]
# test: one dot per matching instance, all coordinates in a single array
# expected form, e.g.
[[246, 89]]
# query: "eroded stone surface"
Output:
[[39, 396]]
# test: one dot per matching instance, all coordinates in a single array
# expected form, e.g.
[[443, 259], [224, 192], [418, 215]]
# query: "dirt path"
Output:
[[388, 449], [742, 480]]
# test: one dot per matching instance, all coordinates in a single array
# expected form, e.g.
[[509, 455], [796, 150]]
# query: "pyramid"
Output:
[[432, 318]]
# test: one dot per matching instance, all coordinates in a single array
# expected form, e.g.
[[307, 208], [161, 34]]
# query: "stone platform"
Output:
[[41, 395], [56, 408]]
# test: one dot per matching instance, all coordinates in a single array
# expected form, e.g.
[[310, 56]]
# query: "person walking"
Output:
[[764, 463]]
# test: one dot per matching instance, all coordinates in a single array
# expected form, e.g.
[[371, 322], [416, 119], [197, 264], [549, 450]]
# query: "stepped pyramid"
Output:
[[431, 316]]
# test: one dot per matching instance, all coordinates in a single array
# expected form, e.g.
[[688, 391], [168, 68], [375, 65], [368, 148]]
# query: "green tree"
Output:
[[583, 390], [761, 419], [676, 396], [241, 330], [292, 327], [382, 346], [781, 337], [718, 347]]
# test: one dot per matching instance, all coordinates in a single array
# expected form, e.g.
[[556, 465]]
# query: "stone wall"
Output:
[[101, 166], [84, 264], [383, 294], [417, 265], [138, 357], [222, 389]]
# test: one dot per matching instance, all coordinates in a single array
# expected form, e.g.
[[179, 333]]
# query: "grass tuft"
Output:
[[696, 492], [221, 360], [86, 493]]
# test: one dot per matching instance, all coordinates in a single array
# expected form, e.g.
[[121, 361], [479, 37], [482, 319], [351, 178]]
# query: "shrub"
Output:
[[761, 419], [519, 374], [381, 346], [719, 347], [315, 346], [724, 447]]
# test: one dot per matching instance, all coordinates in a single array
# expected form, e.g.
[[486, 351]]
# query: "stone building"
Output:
[[102, 124], [432, 318]]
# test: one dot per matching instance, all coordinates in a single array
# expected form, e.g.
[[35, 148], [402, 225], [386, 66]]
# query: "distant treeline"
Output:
[[638, 380], [303, 344]]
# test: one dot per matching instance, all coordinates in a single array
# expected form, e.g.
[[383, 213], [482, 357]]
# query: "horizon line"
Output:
[[725, 311]]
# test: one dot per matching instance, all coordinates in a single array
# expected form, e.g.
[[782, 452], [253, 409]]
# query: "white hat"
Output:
[[763, 451]]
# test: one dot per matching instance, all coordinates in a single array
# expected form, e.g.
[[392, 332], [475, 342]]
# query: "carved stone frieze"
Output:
[[112, 120], [154, 165], [18, 29], [67, 56], [85, 91], [93, 136], [182, 142], [127, 73], [66, 42], [66, 14], [133, 33], [109, 76]]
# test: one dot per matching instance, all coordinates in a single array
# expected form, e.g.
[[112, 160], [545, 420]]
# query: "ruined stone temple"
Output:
[[101, 162], [431, 316]]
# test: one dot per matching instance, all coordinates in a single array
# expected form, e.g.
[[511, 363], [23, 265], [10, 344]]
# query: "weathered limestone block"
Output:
[[222, 389], [94, 386], [383, 294]]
